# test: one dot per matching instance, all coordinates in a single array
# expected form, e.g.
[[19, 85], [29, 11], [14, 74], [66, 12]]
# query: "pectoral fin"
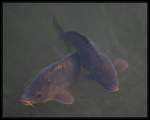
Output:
[[64, 97], [120, 64]]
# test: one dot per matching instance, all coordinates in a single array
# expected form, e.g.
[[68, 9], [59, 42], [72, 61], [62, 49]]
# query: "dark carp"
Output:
[[98, 64]]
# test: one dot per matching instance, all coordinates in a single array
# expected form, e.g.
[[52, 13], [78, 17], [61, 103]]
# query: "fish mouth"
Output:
[[114, 89], [26, 102]]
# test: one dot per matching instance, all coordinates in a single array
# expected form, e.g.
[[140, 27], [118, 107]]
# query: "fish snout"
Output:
[[26, 102], [115, 89]]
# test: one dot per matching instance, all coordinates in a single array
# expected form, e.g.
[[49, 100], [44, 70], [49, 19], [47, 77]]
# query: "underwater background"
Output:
[[30, 43]]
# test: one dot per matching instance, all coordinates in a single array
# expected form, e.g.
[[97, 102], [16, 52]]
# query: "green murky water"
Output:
[[30, 43]]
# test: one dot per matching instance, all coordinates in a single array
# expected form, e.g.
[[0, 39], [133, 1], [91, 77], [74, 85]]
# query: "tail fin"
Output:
[[62, 42], [57, 25]]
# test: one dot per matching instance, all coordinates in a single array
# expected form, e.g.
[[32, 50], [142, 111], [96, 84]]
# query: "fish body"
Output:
[[97, 63], [53, 81]]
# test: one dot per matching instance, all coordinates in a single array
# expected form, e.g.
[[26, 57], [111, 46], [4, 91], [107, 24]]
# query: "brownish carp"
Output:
[[52, 82]]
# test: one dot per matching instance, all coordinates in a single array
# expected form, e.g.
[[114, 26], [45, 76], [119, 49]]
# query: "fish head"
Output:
[[41, 88], [49, 82], [42, 92], [111, 85], [36, 92], [107, 76], [110, 74]]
